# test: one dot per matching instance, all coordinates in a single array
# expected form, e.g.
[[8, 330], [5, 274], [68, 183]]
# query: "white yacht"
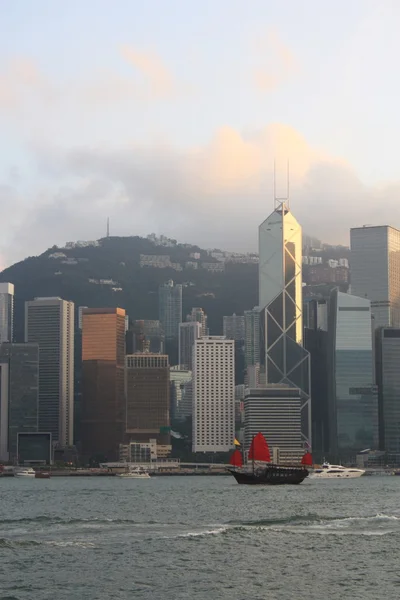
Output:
[[135, 473], [24, 472], [327, 471]]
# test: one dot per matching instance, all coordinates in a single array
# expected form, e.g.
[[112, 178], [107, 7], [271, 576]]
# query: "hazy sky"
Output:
[[166, 116]]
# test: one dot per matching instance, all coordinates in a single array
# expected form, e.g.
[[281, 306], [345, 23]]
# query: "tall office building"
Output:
[[198, 314], [181, 393], [148, 398], [6, 312], [49, 322], [282, 356], [252, 337], [170, 308], [19, 395], [375, 268], [213, 394], [233, 327], [148, 335], [103, 384], [388, 381], [188, 333], [275, 411], [353, 401]]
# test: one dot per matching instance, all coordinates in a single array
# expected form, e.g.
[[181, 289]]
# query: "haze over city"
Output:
[[167, 117]]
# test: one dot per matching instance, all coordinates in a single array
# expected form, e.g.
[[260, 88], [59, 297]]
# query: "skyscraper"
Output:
[[19, 396], [353, 401], [252, 337], [275, 411], [148, 398], [233, 327], [213, 394], [49, 322], [388, 380], [6, 312], [181, 393], [282, 356], [170, 308], [188, 333], [103, 395], [198, 314], [375, 269]]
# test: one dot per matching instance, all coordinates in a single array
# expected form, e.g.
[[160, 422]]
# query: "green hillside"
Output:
[[117, 259]]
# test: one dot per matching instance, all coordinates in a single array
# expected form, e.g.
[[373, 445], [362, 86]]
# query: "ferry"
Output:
[[24, 472]]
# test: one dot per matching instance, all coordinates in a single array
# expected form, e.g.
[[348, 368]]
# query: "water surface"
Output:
[[200, 538]]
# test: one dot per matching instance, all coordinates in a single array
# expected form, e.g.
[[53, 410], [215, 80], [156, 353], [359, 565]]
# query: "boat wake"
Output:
[[377, 525]]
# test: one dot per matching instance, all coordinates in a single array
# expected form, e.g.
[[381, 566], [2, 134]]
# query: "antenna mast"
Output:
[[108, 227], [285, 201]]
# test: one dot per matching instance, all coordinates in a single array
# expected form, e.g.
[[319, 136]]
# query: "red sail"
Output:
[[307, 460], [259, 449], [236, 459]]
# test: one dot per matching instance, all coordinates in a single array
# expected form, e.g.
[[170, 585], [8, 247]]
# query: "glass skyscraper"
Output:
[[375, 271], [6, 312], [282, 356], [251, 337], [353, 395], [388, 380], [19, 403], [170, 308]]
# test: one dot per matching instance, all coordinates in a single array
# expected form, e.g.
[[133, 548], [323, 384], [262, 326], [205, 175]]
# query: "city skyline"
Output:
[[110, 162]]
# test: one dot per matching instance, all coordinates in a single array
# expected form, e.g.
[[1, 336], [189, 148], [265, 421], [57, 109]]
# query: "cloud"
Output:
[[153, 70], [280, 63], [214, 195], [21, 85]]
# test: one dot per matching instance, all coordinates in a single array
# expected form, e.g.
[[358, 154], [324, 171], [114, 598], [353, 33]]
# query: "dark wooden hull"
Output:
[[271, 475]]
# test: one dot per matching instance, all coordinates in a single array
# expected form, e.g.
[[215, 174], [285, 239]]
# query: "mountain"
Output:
[[107, 273]]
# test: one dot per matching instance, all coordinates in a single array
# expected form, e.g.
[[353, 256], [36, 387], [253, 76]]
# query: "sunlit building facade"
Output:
[[375, 271], [282, 356], [6, 312], [103, 384], [353, 397]]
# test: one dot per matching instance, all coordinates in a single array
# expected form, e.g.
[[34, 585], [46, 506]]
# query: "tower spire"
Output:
[[108, 227], [285, 201]]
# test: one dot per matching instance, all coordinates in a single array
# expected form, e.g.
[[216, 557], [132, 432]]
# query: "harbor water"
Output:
[[198, 538]]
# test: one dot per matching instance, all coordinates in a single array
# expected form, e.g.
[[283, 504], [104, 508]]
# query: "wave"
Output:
[[376, 525], [43, 519], [7, 543]]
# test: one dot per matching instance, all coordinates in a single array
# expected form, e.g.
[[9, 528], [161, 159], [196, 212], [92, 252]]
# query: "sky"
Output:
[[168, 117]]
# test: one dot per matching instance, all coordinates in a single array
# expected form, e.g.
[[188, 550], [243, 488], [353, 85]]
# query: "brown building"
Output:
[[147, 398], [103, 393]]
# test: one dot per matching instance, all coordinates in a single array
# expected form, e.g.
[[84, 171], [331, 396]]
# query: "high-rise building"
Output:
[[188, 333], [274, 410], [170, 308], [353, 400], [252, 337], [148, 398], [388, 381], [103, 382], [375, 271], [148, 335], [19, 395], [233, 327], [49, 322], [213, 394], [181, 393], [282, 356], [198, 314], [6, 312]]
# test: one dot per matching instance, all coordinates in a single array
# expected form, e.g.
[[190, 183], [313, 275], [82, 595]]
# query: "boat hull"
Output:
[[271, 475]]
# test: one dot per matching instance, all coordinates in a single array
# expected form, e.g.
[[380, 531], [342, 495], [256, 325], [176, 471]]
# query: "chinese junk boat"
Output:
[[262, 471]]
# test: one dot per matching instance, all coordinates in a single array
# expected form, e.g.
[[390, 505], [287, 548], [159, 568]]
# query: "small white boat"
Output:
[[24, 472], [135, 473], [328, 471]]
